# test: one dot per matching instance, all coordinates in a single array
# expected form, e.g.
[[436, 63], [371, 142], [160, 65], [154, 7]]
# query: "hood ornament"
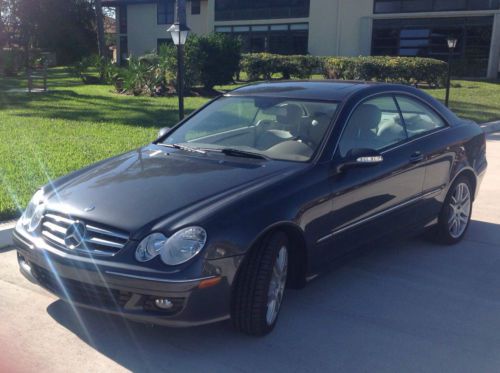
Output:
[[88, 209], [75, 235]]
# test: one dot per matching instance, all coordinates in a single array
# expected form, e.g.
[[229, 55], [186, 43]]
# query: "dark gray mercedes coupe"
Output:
[[251, 194]]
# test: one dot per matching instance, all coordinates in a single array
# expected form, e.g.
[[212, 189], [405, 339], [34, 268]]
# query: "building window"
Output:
[[408, 6], [427, 38], [165, 12], [195, 7], [230, 10], [122, 19], [279, 38]]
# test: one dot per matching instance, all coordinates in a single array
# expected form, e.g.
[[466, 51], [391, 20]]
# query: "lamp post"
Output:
[[179, 32], [452, 44]]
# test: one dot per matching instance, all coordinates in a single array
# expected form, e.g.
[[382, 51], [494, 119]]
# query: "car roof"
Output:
[[329, 90]]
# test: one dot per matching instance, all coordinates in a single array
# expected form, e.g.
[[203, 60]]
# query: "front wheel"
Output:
[[260, 286], [455, 215]]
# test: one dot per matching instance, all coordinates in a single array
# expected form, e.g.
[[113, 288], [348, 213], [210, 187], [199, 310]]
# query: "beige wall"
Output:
[[336, 27], [340, 27], [143, 30], [494, 64]]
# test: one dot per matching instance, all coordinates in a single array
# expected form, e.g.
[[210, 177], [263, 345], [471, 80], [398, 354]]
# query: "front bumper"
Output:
[[114, 288]]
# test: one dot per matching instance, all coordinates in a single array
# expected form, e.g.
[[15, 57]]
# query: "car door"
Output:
[[371, 201], [425, 129]]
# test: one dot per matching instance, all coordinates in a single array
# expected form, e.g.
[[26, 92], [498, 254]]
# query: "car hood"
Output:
[[145, 186]]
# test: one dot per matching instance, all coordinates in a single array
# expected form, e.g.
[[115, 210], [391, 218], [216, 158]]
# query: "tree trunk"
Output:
[[101, 44]]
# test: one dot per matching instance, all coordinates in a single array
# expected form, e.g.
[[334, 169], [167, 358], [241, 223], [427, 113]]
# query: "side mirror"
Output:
[[360, 158], [163, 131]]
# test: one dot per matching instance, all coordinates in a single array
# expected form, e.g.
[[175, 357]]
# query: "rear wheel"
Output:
[[456, 212], [260, 286]]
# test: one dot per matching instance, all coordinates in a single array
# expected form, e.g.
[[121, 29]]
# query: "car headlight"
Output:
[[33, 214], [150, 247], [183, 245], [178, 249]]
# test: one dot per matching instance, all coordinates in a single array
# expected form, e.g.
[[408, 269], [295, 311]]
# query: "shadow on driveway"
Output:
[[399, 306]]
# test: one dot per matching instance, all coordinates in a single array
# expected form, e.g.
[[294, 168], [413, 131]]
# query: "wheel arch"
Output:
[[298, 266], [471, 176]]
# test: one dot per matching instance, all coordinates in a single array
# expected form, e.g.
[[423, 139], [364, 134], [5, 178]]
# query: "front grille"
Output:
[[80, 292], [97, 239]]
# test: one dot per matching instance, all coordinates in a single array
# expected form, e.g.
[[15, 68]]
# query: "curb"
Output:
[[6, 234], [491, 127]]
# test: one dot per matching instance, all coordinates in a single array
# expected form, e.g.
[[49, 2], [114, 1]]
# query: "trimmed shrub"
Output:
[[168, 61], [406, 70], [209, 60], [265, 65], [219, 59]]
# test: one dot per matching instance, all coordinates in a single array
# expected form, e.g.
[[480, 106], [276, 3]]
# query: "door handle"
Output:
[[416, 157]]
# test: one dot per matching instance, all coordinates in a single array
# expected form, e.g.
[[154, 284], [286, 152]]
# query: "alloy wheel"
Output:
[[460, 210], [277, 285]]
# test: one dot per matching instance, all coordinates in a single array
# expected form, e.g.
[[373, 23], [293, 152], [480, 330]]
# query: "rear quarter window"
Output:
[[418, 117]]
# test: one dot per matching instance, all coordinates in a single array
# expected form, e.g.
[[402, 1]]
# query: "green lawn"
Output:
[[46, 135]]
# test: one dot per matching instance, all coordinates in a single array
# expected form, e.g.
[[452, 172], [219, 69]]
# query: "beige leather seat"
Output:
[[361, 131], [288, 125]]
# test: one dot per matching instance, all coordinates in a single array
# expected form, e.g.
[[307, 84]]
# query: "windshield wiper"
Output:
[[242, 153], [183, 147]]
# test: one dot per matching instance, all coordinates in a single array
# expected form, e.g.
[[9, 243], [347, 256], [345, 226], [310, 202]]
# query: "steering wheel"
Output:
[[260, 127]]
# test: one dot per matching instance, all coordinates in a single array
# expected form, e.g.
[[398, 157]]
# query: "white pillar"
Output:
[[366, 35], [494, 61]]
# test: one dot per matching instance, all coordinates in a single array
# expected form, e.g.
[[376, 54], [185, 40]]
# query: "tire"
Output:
[[258, 282], [456, 212]]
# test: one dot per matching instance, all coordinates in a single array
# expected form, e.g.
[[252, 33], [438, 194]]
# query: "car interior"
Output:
[[377, 124], [294, 129], [290, 130]]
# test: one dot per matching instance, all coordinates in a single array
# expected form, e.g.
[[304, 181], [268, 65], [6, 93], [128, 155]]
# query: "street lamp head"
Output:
[[179, 33], [452, 42]]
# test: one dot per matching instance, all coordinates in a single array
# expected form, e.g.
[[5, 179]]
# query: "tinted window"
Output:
[[408, 6], [427, 38], [275, 127], [230, 10], [375, 124], [450, 5], [387, 6], [165, 12], [195, 7], [418, 118], [277, 38]]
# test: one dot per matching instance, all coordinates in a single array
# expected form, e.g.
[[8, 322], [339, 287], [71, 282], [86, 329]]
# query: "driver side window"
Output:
[[375, 124]]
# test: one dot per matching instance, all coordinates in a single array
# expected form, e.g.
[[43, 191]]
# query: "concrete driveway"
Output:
[[399, 306]]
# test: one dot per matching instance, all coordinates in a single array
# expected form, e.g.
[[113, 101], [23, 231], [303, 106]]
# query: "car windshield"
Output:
[[257, 127]]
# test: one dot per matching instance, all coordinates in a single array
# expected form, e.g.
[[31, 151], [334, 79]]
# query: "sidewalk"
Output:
[[6, 233], [491, 127]]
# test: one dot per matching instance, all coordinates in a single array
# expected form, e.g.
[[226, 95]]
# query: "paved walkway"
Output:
[[491, 127]]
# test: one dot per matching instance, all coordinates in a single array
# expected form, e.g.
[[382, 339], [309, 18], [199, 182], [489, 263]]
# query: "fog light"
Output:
[[163, 303]]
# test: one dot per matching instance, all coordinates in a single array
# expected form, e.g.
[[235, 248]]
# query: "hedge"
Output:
[[406, 70], [265, 65]]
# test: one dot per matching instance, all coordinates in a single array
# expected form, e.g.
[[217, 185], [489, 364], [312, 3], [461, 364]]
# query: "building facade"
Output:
[[329, 27]]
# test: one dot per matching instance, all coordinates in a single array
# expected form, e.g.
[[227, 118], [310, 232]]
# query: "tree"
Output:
[[100, 29], [66, 27]]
